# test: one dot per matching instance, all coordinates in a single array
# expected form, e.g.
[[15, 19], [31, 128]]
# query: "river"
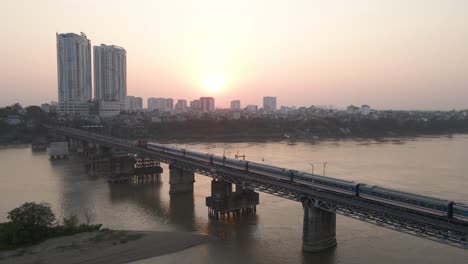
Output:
[[435, 166]]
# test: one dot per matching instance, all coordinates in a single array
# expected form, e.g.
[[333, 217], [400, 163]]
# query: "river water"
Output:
[[435, 166]]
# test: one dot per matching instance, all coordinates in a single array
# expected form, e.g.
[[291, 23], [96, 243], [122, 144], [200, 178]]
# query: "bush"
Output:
[[71, 222]]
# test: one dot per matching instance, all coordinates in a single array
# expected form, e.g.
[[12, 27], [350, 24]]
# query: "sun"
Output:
[[214, 83]]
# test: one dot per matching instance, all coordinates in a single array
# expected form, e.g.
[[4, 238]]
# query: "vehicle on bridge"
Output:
[[419, 203]]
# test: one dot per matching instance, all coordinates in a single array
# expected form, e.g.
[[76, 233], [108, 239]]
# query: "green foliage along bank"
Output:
[[34, 222]]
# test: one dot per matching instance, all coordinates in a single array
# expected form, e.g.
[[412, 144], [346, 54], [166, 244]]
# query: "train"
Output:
[[419, 203]]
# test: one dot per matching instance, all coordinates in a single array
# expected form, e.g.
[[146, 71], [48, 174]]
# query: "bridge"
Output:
[[320, 206]]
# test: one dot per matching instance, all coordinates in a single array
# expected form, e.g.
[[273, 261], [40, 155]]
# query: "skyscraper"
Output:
[[269, 103], [74, 73], [110, 74]]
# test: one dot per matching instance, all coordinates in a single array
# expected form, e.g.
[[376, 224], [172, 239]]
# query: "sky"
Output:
[[390, 54]]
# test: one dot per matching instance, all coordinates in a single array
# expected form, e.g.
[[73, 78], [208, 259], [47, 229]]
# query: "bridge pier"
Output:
[[319, 230], [75, 145], [180, 180], [102, 150], [223, 201]]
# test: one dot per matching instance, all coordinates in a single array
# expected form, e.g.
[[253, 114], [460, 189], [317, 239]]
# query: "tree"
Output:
[[13, 109], [16, 107], [31, 222], [32, 215], [35, 113]]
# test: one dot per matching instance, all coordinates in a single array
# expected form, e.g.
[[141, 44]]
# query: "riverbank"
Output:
[[105, 247], [22, 135], [274, 129]]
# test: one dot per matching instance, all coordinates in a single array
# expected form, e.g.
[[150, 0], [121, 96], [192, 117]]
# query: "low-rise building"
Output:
[[252, 108], [236, 115], [108, 109], [365, 110], [13, 120], [352, 109]]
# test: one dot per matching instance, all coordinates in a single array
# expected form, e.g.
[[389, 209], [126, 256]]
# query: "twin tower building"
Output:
[[75, 78]]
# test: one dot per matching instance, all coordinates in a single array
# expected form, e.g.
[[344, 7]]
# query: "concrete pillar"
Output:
[[72, 144], [221, 190], [99, 149], [319, 232], [180, 180], [223, 201], [102, 150]]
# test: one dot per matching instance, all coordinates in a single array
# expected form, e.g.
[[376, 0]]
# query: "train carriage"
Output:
[[411, 201], [280, 173], [198, 156], [322, 182], [234, 163], [154, 146], [460, 211]]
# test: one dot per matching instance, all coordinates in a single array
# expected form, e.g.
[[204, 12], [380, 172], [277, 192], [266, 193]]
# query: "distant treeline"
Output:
[[301, 129], [29, 127]]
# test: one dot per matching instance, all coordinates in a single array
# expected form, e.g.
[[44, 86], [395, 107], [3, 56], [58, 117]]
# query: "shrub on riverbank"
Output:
[[34, 222]]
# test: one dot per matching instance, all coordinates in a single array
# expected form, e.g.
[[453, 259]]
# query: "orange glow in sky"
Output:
[[389, 54]]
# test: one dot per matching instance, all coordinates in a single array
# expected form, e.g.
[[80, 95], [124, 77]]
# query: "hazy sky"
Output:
[[406, 54]]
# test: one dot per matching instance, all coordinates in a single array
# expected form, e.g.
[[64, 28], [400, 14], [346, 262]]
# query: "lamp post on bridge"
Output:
[[324, 166], [311, 164], [239, 156]]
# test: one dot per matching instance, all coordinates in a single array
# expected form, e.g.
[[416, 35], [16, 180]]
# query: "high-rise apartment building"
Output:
[[134, 103], [181, 106], [269, 103], [74, 73], [195, 105], [207, 104], [169, 105], [156, 104], [138, 104], [110, 74], [161, 104], [235, 105]]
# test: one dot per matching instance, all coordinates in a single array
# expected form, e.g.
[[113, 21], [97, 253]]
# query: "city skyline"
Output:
[[399, 55]]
